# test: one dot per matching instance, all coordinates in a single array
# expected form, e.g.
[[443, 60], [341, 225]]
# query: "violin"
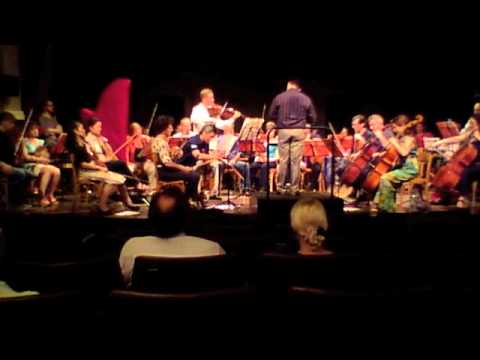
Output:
[[222, 112]]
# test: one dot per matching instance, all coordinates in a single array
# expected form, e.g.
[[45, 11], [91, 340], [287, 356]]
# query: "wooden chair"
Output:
[[424, 177], [4, 199], [473, 203], [77, 184]]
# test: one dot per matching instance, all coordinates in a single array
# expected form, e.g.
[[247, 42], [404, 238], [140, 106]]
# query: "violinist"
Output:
[[420, 132], [15, 175], [196, 152], [168, 169], [184, 129], [258, 169], [228, 144], [102, 151], [407, 167], [201, 113], [93, 170], [36, 160], [137, 153], [50, 128]]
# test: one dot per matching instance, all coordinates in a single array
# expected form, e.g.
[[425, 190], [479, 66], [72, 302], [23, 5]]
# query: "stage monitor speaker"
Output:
[[276, 210]]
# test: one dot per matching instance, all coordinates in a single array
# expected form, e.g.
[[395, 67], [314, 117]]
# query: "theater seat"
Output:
[[186, 275]]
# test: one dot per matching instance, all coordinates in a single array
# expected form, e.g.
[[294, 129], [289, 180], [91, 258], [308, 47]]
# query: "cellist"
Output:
[[406, 168]]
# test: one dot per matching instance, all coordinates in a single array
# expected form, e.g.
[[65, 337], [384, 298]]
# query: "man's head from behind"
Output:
[[293, 84], [7, 121], [168, 212]]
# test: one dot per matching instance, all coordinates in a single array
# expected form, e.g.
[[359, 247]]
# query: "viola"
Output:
[[449, 175]]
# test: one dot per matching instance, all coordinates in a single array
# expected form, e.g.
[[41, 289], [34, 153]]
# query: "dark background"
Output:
[[433, 72]]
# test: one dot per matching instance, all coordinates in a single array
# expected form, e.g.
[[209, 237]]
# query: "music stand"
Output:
[[248, 134]]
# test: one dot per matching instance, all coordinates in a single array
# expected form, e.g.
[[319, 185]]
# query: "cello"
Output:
[[449, 175], [386, 162]]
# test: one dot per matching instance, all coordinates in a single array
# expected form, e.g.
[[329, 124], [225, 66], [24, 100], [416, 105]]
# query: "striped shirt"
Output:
[[292, 109]]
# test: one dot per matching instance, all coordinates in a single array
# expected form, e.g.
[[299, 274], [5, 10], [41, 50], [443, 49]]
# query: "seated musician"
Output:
[[361, 137], [50, 128], [229, 146], [137, 152], [311, 164], [168, 169], [36, 160], [200, 115], [407, 168], [472, 172], [92, 169], [465, 136], [196, 153], [103, 152], [420, 132], [17, 176], [184, 129], [258, 169]]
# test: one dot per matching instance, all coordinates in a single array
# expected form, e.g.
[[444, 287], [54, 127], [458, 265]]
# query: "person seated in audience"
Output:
[[308, 220], [168, 169], [36, 160], [51, 130], [184, 129], [94, 170], [168, 214], [16, 175], [137, 152]]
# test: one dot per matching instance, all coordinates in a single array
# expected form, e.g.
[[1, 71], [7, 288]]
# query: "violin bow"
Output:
[[337, 141], [22, 135], [151, 118]]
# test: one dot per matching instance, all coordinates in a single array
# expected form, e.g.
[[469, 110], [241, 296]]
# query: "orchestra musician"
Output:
[[361, 137], [471, 172], [258, 169], [102, 151], [197, 154], [137, 152], [50, 128], [36, 160], [420, 132], [17, 176], [291, 110], [201, 116], [184, 129], [168, 169], [90, 168], [407, 167], [228, 145]]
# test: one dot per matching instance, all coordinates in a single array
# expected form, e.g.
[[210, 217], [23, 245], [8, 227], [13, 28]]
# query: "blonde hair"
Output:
[[306, 217], [205, 92]]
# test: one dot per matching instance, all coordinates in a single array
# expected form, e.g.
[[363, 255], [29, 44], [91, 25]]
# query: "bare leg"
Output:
[[124, 194], [45, 178], [107, 190], [54, 181]]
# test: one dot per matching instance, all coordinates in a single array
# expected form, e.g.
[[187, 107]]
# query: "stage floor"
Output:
[[238, 205]]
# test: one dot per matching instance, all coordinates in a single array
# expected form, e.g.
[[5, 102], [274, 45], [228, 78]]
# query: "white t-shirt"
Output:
[[181, 246], [180, 135], [201, 117]]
